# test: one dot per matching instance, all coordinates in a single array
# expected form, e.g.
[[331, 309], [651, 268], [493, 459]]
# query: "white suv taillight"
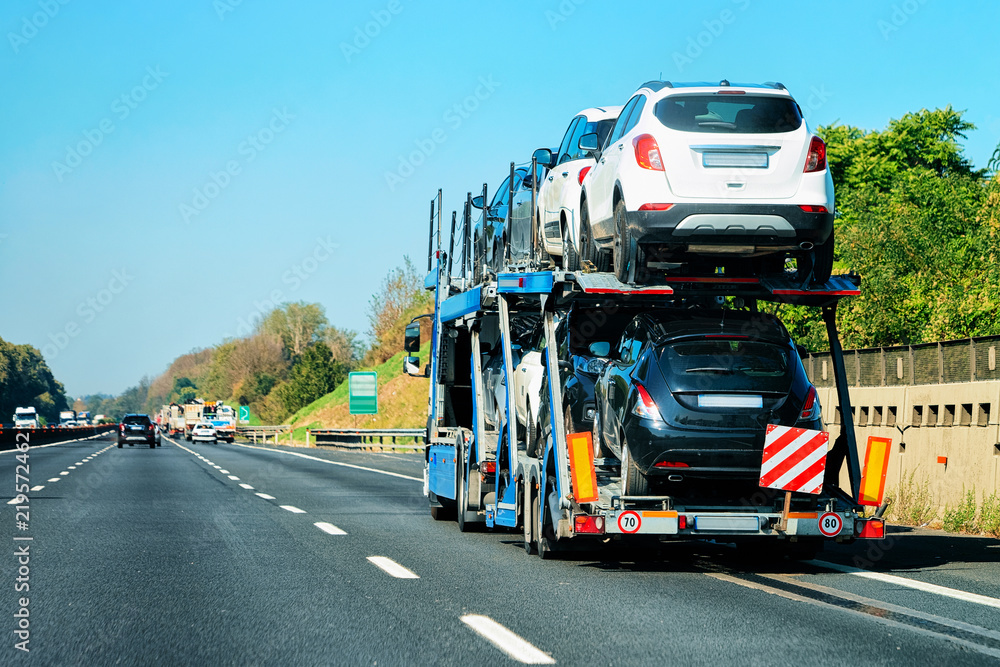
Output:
[[811, 408], [816, 160], [647, 153]]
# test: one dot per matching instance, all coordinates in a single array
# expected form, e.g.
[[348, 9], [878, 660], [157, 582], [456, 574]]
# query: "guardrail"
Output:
[[262, 432], [367, 438]]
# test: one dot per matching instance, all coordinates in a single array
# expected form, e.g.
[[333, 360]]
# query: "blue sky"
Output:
[[169, 170]]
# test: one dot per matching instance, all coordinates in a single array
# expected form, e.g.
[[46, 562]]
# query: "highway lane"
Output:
[[162, 556]]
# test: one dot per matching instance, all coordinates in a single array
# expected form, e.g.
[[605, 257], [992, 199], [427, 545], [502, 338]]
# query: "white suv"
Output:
[[559, 193], [709, 175]]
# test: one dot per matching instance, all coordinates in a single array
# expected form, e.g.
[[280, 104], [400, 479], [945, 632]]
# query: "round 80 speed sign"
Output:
[[831, 524]]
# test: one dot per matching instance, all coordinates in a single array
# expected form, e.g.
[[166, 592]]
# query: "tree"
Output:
[[400, 297], [345, 346], [315, 374], [26, 380], [298, 325]]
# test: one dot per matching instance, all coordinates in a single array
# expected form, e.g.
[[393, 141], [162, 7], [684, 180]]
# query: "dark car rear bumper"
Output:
[[761, 225], [707, 454]]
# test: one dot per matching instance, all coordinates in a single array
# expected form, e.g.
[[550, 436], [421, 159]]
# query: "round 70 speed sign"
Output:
[[629, 522], [831, 524]]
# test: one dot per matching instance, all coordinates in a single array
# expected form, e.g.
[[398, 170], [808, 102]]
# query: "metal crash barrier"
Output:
[[364, 438]]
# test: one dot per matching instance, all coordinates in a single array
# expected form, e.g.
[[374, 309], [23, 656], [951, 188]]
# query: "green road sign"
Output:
[[362, 391], [245, 414]]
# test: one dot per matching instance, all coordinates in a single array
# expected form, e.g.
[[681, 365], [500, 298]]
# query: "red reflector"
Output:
[[811, 208], [583, 523], [583, 172], [520, 282], [488, 467], [872, 529], [655, 207], [671, 464], [682, 522]]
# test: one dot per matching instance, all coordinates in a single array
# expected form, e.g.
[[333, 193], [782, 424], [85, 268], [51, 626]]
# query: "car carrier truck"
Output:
[[558, 490]]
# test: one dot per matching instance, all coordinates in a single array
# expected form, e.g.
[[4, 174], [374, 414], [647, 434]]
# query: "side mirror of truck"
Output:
[[411, 366], [411, 338], [478, 202]]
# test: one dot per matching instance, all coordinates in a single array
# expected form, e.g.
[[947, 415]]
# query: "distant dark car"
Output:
[[687, 395], [496, 240], [138, 428]]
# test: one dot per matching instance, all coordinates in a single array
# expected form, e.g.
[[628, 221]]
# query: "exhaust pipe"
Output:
[[806, 245], [675, 478]]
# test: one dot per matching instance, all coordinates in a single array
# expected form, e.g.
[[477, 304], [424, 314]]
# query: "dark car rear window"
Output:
[[726, 365], [136, 419], [727, 114]]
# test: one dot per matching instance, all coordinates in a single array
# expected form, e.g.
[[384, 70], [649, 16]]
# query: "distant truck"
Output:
[[25, 418], [83, 418], [66, 416], [175, 422], [224, 421], [98, 419], [192, 415]]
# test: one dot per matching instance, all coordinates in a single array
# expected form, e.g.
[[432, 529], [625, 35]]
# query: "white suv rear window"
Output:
[[728, 113]]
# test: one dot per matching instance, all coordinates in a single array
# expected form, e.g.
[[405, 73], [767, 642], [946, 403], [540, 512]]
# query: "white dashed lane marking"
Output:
[[64, 473], [514, 646], [392, 568], [265, 496], [234, 478], [38, 488], [246, 486], [54, 479], [329, 528], [293, 509]]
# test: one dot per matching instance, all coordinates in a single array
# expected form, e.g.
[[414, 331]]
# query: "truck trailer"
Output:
[[551, 479]]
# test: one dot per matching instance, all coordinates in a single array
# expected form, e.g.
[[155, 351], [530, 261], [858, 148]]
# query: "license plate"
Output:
[[741, 160], [729, 401], [727, 523]]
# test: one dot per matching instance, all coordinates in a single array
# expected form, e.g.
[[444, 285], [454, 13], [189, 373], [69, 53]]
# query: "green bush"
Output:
[[911, 502], [962, 518], [989, 515]]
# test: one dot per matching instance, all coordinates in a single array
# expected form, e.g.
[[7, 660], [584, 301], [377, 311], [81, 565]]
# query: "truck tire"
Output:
[[528, 518], [462, 496], [531, 447], [634, 483], [545, 542]]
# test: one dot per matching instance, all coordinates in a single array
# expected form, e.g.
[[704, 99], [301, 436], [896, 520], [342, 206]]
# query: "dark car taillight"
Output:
[[644, 406], [811, 408], [816, 160]]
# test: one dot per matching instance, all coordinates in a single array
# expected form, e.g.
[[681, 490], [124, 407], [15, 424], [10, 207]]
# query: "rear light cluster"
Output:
[[644, 405], [811, 408], [583, 523], [813, 208], [488, 467], [655, 207], [870, 529], [816, 159], [647, 152], [671, 464]]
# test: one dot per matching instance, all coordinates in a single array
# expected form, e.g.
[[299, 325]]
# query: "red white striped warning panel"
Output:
[[794, 459]]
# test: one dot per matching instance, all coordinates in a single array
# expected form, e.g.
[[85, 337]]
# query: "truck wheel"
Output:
[[528, 518], [634, 483], [463, 490], [543, 529]]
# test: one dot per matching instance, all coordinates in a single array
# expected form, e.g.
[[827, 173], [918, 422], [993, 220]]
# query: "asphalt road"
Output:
[[231, 554]]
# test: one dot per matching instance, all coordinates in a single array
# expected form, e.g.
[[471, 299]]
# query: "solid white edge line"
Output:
[[265, 496], [507, 641], [293, 509], [329, 528], [246, 486], [910, 583], [392, 568], [334, 463]]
